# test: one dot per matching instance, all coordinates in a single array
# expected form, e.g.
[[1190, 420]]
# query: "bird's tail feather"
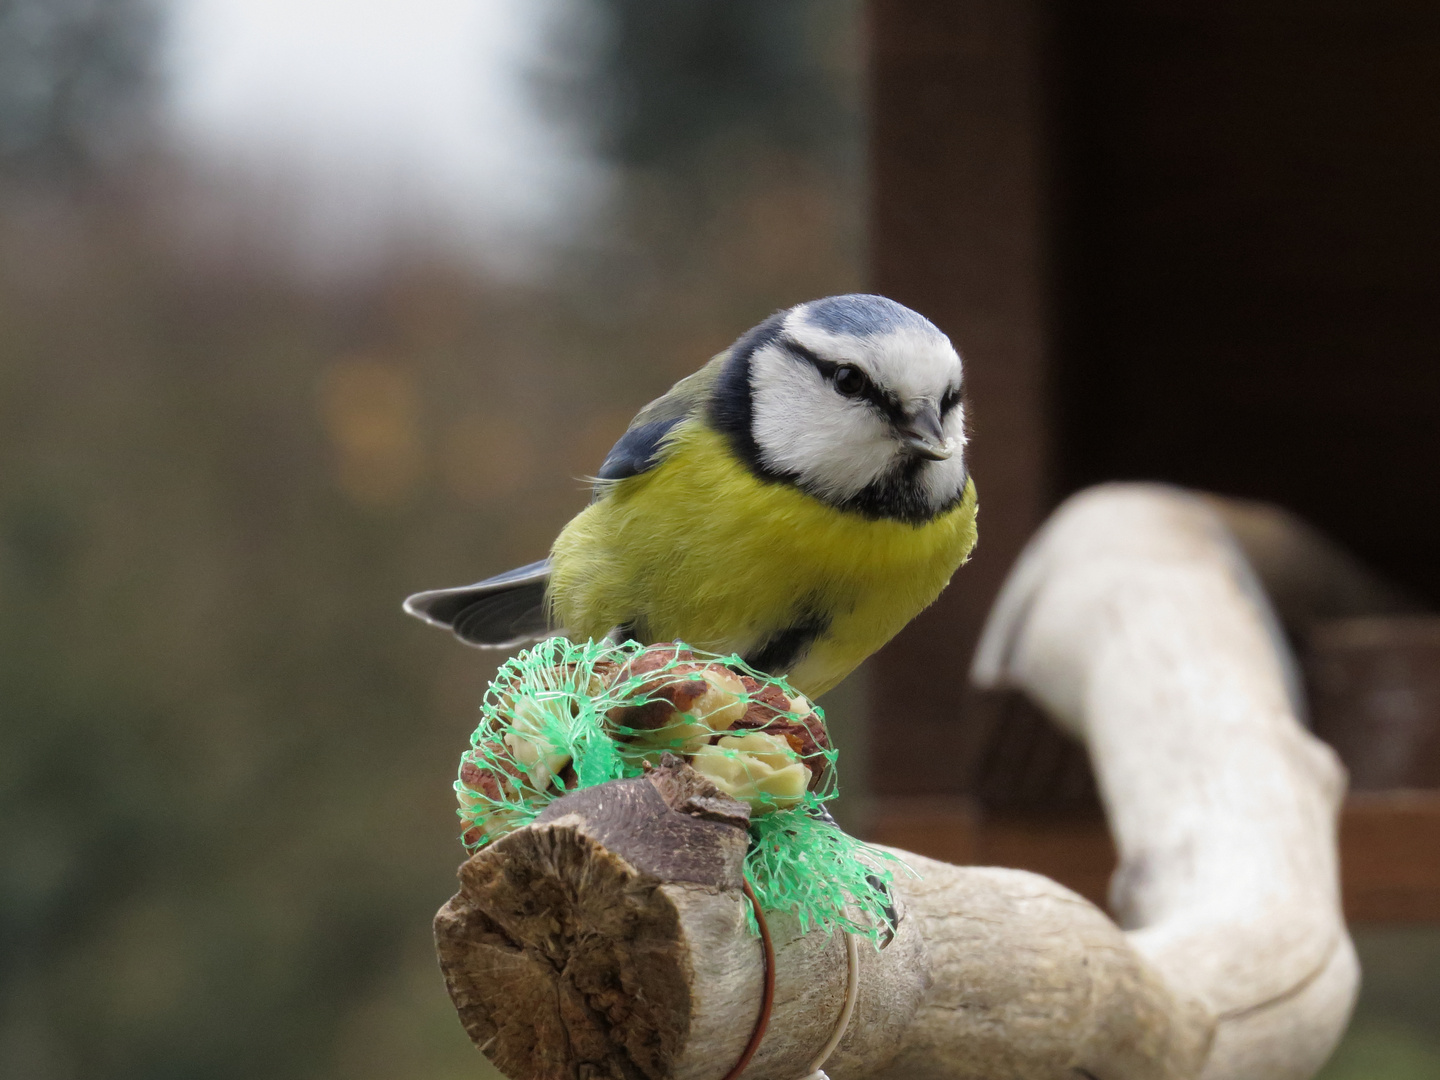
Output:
[[498, 613]]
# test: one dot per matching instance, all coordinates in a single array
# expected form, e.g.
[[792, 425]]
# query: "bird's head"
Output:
[[854, 399]]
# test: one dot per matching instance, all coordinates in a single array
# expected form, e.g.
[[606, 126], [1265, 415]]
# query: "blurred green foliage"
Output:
[[1395, 1033], [677, 76], [77, 78], [225, 755]]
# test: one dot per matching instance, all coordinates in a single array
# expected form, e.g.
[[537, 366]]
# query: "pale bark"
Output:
[[582, 946], [1133, 619]]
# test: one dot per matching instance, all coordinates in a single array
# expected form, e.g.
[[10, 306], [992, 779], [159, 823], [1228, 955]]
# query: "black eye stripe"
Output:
[[825, 367], [950, 400], [883, 400]]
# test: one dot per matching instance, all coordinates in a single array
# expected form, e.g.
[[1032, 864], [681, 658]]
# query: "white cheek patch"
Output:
[[835, 447]]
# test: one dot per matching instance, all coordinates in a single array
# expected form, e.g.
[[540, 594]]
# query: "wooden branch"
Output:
[[1134, 621], [608, 939]]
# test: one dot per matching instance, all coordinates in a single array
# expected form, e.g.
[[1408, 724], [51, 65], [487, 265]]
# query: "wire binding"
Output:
[[767, 998], [767, 995]]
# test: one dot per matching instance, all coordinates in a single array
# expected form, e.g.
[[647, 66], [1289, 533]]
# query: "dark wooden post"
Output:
[[958, 231]]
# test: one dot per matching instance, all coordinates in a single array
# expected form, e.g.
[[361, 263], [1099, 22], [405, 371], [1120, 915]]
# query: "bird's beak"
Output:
[[922, 435]]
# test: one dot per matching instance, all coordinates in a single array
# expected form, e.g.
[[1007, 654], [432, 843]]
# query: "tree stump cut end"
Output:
[[564, 955]]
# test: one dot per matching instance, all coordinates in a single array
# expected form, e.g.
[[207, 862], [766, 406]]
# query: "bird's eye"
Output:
[[849, 381]]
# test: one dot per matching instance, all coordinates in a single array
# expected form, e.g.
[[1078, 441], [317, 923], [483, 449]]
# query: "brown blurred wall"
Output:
[[1194, 242]]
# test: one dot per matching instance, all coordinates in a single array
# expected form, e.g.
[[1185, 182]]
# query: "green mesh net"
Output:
[[563, 716]]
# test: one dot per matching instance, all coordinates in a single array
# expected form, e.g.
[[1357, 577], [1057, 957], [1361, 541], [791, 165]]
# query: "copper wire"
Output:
[[767, 995]]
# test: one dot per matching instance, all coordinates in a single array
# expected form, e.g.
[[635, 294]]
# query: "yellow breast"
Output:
[[701, 551]]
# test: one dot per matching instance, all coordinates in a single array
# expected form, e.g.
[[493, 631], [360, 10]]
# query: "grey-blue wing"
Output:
[[498, 613], [637, 451], [642, 446]]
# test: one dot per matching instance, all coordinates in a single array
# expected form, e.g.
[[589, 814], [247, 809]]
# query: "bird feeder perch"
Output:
[[609, 937]]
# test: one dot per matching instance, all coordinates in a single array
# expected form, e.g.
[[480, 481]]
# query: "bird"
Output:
[[796, 501]]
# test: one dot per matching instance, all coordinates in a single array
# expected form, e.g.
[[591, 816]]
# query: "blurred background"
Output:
[[306, 305]]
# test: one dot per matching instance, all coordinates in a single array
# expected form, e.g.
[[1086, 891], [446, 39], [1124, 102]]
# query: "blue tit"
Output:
[[797, 501]]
